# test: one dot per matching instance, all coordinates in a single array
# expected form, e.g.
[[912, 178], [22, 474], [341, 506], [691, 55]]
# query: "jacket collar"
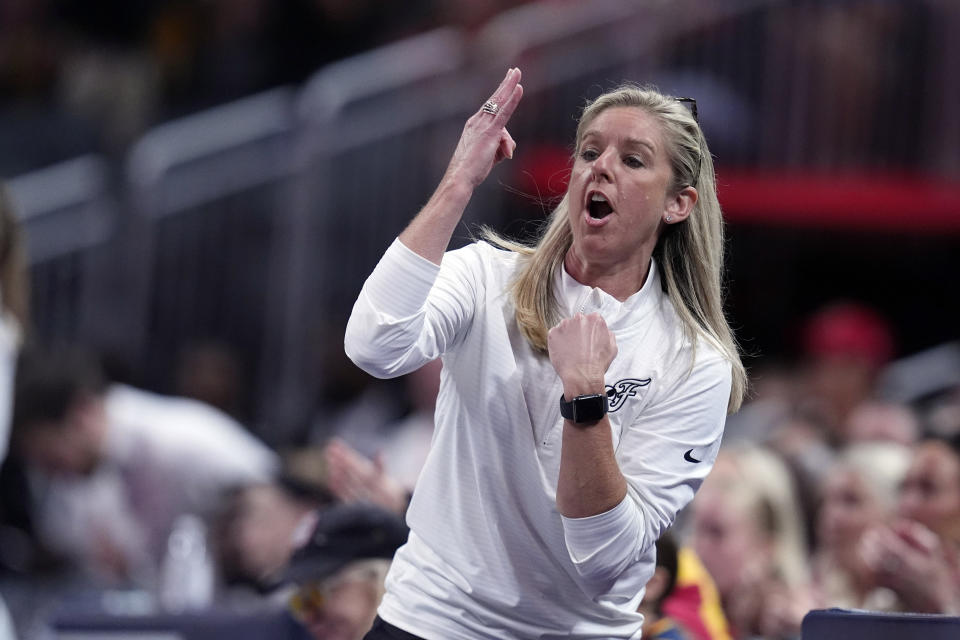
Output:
[[575, 297]]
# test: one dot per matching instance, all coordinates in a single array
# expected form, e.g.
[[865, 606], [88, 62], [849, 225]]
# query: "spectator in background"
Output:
[[931, 490], [746, 528], [118, 464], [14, 309], [830, 400], [212, 372], [106, 75], [408, 442], [801, 440], [353, 478], [34, 130], [695, 602], [389, 478], [943, 416], [351, 405], [859, 493], [343, 606], [339, 572], [262, 526], [656, 625], [874, 421], [918, 556], [845, 346], [13, 320]]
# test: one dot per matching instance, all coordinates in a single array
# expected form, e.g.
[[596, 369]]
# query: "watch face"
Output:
[[589, 408]]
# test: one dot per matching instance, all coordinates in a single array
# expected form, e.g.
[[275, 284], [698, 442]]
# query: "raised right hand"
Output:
[[485, 140], [483, 143]]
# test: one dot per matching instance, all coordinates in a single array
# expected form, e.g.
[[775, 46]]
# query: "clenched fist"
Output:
[[581, 350]]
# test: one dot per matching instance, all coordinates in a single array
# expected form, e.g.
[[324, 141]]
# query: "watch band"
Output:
[[586, 408]]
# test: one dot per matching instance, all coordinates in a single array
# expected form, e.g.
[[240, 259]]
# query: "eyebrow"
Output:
[[630, 142], [634, 142]]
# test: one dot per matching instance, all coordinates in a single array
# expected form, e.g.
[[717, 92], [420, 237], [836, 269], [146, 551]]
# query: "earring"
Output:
[[669, 218]]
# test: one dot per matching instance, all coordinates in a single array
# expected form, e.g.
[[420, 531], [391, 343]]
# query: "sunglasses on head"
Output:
[[691, 105]]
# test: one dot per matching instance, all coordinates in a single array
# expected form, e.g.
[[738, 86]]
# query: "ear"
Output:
[[679, 207]]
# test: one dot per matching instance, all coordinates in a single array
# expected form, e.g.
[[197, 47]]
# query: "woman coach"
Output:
[[585, 380]]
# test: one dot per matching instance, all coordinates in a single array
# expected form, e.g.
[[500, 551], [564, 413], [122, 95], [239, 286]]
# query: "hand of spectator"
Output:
[[351, 477], [781, 615], [910, 559], [744, 605], [109, 560], [485, 140]]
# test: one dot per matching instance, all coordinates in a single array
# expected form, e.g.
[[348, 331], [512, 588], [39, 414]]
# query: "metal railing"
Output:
[[69, 217]]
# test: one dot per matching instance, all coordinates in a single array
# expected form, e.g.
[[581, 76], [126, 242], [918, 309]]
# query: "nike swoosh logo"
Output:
[[688, 457]]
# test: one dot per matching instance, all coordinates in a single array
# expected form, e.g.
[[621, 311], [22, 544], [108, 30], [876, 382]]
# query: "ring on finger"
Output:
[[490, 107]]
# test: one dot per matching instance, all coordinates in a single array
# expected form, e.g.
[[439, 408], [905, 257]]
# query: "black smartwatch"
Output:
[[584, 408]]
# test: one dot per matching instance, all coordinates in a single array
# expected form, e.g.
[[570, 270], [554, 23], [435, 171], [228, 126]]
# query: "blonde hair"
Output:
[[370, 572], [758, 481], [881, 465], [689, 253]]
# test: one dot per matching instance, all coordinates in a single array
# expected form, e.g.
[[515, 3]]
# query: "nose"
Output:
[[601, 167]]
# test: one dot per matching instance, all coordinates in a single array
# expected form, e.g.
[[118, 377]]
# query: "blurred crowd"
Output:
[[839, 483], [79, 77]]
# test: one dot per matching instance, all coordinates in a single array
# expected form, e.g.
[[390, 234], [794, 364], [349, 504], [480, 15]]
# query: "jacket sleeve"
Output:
[[664, 456], [411, 311]]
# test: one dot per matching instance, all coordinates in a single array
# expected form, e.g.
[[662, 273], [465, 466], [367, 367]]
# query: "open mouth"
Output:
[[598, 207]]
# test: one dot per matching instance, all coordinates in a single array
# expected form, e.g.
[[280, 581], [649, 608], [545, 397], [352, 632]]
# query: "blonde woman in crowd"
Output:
[[746, 528], [859, 493]]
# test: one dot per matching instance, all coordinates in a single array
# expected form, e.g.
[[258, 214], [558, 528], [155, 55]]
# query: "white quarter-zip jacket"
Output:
[[489, 556]]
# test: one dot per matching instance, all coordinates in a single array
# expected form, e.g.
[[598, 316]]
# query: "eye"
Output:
[[634, 162], [589, 155]]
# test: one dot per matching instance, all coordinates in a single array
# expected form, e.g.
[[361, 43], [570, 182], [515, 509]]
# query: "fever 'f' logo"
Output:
[[618, 393]]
